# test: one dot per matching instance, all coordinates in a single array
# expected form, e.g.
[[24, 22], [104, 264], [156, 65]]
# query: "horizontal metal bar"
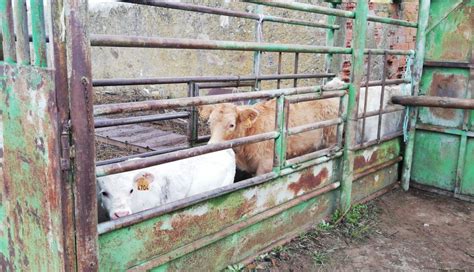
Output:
[[100, 123], [157, 42], [387, 82], [434, 101], [375, 51], [391, 21], [314, 96], [197, 101], [377, 112], [185, 80], [446, 130], [447, 64], [375, 142], [377, 168], [181, 154], [333, 152], [141, 155], [225, 84], [313, 126], [304, 7], [230, 13]]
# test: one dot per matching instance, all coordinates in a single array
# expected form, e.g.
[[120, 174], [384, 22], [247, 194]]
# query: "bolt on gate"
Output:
[[48, 203]]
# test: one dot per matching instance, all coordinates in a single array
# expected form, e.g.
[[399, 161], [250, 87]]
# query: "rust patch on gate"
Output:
[[446, 86], [360, 161], [308, 180]]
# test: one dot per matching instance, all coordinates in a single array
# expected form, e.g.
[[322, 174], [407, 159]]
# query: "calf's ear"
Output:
[[248, 116], [143, 180], [205, 111]]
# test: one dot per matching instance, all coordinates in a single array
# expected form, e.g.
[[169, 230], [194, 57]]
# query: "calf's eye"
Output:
[[105, 194], [231, 125], [131, 191]]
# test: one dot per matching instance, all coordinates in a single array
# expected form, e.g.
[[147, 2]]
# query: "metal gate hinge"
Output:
[[65, 147]]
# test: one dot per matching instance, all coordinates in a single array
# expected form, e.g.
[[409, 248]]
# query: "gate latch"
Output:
[[65, 146]]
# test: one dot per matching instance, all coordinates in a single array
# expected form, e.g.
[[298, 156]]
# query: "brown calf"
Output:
[[228, 121]]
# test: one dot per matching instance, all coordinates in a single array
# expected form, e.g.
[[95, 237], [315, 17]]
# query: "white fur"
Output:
[[172, 181]]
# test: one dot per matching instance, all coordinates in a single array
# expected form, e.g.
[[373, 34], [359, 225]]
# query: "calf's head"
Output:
[[116, 191], [228, 121]]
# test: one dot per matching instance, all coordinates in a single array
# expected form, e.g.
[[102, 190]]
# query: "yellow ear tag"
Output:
[[143, 184]]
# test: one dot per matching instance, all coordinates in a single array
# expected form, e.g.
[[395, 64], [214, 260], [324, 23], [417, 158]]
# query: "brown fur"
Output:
[[259, 118]]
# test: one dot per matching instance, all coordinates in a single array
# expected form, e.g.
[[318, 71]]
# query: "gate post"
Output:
[[350, 127], [423, 16]]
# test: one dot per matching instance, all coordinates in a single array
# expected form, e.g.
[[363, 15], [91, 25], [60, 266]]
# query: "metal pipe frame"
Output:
[[198, 101], [8, 32], [314, 96], [101, 123], [434, 101], [231, 13], [383, 111], [383, 139], [382, 95], [377, 168], [367, 78], [199, 79], [21, 30], [313, 126]]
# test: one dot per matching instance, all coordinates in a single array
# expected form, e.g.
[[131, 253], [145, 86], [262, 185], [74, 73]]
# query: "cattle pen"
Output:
[[48, 192]]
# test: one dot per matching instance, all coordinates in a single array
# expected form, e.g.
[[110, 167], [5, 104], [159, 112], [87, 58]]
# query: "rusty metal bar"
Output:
[[82, 121], [100, 123], [387, 82], [295, 69], [447, 64], [329, 41], [377, 168], [313, 126], [230, 13], [434, 101], [279, 147], [441, 129], [21, 30], [197, 79], [366, 97], [207, 240], [304, 7], [391, 21], [279, 69], [382, 94], [182, 154], [141, 155], [224, 84], [384, 111], [38, 32], [382, 140], [192, 120], [375, 51], [8, 32], [197, 101], [333, 152], [343, 114], [156, 42], [314, 96]]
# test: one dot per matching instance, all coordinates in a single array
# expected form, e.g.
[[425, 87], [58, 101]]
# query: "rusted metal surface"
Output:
[[82, 122], [21, 31], [31, 196], [367, 158], [438, 102], [232, 13], [197, 79], [198, 101], [374, 183], [173, 230], [8, 32]]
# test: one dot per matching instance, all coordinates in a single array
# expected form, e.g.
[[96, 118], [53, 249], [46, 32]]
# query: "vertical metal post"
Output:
[[280, 141], [279, 69], [8, 33], [329, 40], [364, 112], [357, 73], [82, 121], [382, 94], [21, 30], [193, 90], [257, 56], [38, 32], [423, 16], [295, 69]]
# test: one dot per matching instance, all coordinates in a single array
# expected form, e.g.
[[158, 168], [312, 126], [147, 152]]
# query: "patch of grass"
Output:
[[325, 226], [234, 268], [320, 258]]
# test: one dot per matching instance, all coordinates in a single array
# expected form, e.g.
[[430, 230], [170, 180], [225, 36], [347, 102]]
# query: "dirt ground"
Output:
[[399, 231]]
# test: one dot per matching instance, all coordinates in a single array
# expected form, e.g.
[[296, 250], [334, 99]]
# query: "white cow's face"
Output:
[[116, 191]]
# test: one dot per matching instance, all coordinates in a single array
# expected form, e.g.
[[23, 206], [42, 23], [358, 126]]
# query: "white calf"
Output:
[[134, 191]]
